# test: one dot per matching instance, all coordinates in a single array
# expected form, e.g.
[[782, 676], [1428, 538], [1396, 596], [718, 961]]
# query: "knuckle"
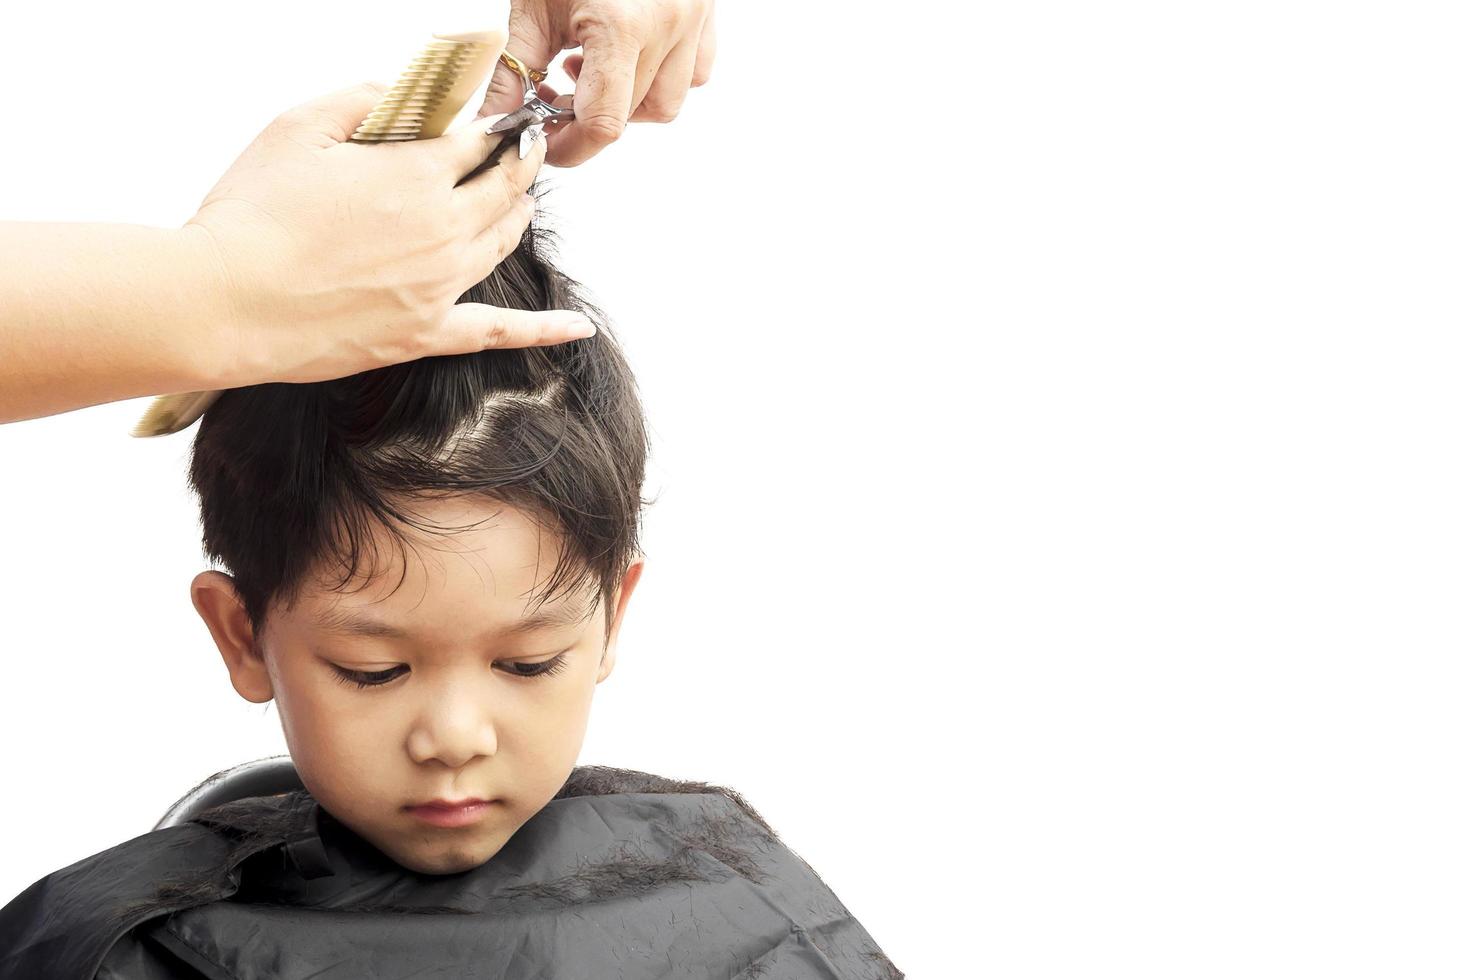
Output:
[[602, 128], [662, 111], [505, 237], [605, 18], [508, 239], [504, 192], [290, 119], [669, 18], [497, 332], [503, 81], [423, 305], [490, 250]]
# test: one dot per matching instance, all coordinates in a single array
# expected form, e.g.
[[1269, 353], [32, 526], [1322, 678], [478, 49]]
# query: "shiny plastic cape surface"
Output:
[[622, 875]]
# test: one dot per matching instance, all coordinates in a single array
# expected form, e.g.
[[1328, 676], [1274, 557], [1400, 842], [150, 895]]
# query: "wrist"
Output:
[[219, 347]]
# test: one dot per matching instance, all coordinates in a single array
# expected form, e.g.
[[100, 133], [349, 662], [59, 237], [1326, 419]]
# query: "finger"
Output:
[[467, 152], [497, 187], [334, 117], [470, 327], [705, 62], [670, 85], [501, 236], [533, 47], [548, 94], [612, 62], [572, 66]]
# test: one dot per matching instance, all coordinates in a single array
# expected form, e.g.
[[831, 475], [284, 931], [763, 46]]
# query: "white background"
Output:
[[1060, 442]]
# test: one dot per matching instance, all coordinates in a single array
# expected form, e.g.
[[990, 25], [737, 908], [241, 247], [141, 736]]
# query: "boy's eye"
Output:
[[540, 668], [369, 678], [376, 678]]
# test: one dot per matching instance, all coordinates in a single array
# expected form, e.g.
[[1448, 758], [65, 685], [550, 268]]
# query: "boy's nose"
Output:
[[454, 729]]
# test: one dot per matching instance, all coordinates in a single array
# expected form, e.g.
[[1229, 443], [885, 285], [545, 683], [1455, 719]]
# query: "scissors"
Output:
[[533, 114]]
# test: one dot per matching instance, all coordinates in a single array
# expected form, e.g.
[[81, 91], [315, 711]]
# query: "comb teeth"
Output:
[[421, 105], [443, 76], [173, 413]]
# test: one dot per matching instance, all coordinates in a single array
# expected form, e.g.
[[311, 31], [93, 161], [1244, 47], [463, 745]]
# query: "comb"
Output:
[[422, 103]]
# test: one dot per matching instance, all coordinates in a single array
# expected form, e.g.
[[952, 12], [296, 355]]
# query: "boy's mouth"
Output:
[[451, 813]]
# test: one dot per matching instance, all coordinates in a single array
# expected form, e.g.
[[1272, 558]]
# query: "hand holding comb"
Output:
[[427, 97]]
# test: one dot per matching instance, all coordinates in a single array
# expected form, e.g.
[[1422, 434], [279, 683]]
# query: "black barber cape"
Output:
[[622, 875]]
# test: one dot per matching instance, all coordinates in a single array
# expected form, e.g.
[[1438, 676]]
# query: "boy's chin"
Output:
[[447, 860]]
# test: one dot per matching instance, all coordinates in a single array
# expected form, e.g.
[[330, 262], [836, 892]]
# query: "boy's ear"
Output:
[[625, 591], [219, 605]]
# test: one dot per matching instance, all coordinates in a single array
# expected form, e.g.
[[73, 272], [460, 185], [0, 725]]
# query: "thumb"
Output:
[[470, 327], [336, 114], [535, 49]]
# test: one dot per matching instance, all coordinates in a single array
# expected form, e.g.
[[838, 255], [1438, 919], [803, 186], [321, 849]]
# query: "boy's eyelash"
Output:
[[377, 678]]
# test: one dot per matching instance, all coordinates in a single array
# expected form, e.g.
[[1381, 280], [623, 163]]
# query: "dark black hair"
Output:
[[290, 475]]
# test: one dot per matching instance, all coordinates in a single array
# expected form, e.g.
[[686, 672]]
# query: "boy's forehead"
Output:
[[464, 588], [368, 620], [503, 556], [491, 578]]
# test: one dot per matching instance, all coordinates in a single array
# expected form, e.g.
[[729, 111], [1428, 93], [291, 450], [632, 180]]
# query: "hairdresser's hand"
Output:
[[339, 257], [639, 60]]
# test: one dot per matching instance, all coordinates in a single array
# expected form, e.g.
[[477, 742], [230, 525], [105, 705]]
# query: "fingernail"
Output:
[[575, 324]]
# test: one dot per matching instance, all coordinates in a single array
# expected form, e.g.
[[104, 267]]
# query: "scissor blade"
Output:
[[515, 120], [529, 135]]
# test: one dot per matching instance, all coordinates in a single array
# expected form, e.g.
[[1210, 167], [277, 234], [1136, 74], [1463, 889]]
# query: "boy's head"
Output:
[[428, 565]]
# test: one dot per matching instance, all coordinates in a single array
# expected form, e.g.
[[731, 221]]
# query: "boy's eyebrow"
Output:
[[355, 624]]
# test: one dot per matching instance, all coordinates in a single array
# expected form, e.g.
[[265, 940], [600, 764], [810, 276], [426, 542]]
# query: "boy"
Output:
[[427, 568]]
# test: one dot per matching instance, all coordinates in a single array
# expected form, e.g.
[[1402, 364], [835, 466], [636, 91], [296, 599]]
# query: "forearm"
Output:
[[94, 313]]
